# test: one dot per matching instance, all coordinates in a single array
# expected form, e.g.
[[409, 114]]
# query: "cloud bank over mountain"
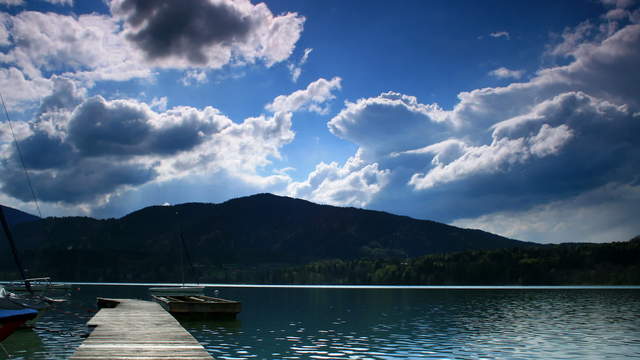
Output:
[[504, 153], [538, 154]]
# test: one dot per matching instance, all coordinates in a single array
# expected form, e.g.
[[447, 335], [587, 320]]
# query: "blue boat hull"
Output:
[[11, 320]]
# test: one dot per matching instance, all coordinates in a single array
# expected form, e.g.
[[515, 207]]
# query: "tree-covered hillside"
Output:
[[264, 231]]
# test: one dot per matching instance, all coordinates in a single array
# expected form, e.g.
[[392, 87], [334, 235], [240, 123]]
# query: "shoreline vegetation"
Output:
[[564, 264], [269, 239]]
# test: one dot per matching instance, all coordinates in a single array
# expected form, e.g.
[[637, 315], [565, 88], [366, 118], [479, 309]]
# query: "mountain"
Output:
[[15, 216], [259, 230]]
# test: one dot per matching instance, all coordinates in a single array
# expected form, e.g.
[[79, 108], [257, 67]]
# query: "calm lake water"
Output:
[[387, 323]]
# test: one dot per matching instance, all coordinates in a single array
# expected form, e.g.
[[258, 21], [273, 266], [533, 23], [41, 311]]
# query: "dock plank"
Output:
[[140, 330]]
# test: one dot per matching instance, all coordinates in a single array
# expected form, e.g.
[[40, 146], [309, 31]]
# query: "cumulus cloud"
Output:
[[602, 69], [88, 48], [354, 184], [194, 77], [573, 38], [125, 127], [66, 95], [509, 151], [25, 91], [564, 146], [136, 40], [504, 73], [159, 104], [310, 99], [206, 33], [88, 45], [114, 145], [391, 122]]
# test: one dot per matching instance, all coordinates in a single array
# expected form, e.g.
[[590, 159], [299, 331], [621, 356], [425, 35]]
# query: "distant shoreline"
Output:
[[375, 287]]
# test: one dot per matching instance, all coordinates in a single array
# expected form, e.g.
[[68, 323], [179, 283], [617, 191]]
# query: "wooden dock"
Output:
[[137, 329]]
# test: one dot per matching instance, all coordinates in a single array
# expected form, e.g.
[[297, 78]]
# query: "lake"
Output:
[[381, 323]]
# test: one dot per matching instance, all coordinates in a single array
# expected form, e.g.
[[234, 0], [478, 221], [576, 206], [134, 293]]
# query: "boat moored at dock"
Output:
[[177, 290], [199, 306], [12, 319]]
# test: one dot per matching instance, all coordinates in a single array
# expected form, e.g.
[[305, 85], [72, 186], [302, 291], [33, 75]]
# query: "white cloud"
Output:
[[543, 132], [565, 132], [354, 184], [622, 4], [194, 77], [236, 32], [504, 73], [61, 2], [500, 34], [94, 47], [391, 122], [159, 104], [4, 31], [12, 2], [311, 99], [117, 145], [88, 46], [602, 69], [24, 90], [573, 38], [601, 215], [296, 69], [617, 14]]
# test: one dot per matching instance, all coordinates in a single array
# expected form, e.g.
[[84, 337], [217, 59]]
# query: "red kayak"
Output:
[[10, 320]]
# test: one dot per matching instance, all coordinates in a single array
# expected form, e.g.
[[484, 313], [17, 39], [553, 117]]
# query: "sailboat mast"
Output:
[[7, 231]]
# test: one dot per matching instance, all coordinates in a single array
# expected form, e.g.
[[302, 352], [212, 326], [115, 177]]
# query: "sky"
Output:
[[518, 118]]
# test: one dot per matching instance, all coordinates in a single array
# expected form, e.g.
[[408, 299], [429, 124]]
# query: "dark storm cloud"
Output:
[[125, 128], [184, 29], [65, 95], [41, 151], [85, 181], [97, 129], [83, 154]]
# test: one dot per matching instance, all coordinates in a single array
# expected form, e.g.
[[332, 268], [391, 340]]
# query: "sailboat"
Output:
[[16, 310], [179, 290], [12, 320], [13, 313]]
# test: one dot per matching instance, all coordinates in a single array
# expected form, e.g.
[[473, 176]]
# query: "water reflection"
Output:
[[461, 324], [306, 323]]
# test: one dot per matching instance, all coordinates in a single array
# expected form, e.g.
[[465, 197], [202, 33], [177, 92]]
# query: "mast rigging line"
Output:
[[24, 167]]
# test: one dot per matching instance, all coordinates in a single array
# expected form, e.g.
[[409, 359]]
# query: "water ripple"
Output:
[[368, 324]]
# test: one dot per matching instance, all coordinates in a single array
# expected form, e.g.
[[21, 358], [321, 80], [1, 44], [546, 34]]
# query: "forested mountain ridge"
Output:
[[15, 216], [244, 232]]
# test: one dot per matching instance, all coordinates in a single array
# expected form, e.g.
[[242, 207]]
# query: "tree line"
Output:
[[593, 264]]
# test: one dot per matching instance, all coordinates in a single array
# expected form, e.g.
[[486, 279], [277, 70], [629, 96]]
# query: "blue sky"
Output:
[[512, 117]]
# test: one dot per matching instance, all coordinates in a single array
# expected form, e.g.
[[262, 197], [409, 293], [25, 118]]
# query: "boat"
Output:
[[37, 285], [199, 307], [188, 301], [181, 290], [19, 307], [12, 320], [11, 301], [177, 290]]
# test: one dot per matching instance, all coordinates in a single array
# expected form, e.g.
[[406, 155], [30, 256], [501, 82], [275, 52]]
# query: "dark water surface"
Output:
[[388, 323]]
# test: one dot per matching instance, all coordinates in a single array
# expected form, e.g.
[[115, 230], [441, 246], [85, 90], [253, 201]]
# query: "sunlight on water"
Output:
[[347, 323]]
